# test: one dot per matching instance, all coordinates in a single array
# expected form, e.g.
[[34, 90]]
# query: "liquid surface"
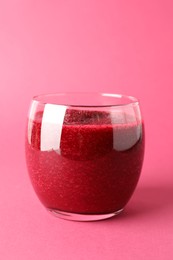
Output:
[[94, 170]]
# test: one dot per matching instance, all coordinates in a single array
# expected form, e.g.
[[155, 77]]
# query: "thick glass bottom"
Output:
[[82, 217]]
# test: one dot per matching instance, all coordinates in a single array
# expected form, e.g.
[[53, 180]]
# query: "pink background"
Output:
[[107, 46]]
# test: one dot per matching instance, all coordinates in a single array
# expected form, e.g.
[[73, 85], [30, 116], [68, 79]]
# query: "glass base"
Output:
[[82, 217]]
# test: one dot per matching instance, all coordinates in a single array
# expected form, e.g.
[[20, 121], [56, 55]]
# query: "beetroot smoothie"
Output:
[[96, 168]]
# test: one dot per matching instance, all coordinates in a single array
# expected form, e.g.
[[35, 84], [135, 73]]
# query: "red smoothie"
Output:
[[96, 168]]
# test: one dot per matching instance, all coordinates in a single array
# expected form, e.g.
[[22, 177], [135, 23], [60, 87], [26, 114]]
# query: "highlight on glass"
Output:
[[84, 153]]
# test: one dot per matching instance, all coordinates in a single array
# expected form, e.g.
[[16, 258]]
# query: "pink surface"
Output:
[[111, 46]]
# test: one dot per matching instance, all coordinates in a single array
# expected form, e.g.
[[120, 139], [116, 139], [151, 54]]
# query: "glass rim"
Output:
[[130, 100]]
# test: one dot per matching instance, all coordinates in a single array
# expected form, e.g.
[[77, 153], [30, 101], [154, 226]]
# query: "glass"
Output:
[[84, 153]]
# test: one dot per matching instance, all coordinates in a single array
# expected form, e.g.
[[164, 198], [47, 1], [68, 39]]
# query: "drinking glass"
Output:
[[84, 153]]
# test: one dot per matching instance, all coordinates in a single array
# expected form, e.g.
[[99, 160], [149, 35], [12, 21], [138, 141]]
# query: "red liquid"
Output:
[[96, 171]]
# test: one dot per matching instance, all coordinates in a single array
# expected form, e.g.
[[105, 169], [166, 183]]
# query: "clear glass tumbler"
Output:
[[84, 153]]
